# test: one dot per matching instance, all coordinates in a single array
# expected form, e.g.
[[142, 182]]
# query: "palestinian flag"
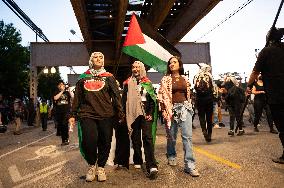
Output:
[[147, 45]]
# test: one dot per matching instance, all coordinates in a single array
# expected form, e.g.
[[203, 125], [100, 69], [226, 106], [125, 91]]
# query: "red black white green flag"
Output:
[[147, 45]]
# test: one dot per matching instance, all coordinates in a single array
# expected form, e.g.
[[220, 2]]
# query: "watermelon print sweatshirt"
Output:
[[96, 97]]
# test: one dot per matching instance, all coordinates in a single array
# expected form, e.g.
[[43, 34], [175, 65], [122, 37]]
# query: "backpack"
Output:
[[235, 95], [203, 84]]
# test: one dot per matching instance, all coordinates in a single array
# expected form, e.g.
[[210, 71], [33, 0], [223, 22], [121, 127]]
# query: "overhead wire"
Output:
[[21, 14], [226, 19]]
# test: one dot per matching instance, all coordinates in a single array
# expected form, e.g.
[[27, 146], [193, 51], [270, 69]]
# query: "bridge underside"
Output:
[[104, 23]]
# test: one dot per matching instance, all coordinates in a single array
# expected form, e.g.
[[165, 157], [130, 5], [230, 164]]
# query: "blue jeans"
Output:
[[215, 113], [186, 135]]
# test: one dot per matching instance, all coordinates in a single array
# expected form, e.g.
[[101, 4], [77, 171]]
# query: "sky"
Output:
[[232, 44]]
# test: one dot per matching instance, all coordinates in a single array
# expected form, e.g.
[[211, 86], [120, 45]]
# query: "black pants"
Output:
[[122, 149], [141, 124], [96, 140], [31, 118], [62, 126], [122, 152], [235, 114], [205, 111], [277, 111], [43, 117], [259, 106]]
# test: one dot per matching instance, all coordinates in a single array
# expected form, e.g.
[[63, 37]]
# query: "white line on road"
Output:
[[25, 146], [38, 178], [16, 176]]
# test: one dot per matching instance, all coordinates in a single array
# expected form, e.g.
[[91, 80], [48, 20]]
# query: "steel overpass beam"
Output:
[[158, 12], [188, 18], [119, 27], [80, 11]]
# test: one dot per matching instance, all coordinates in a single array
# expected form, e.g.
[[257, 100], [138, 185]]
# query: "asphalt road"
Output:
[[36, 159]]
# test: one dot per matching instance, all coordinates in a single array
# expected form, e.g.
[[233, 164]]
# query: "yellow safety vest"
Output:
[[43, 108]]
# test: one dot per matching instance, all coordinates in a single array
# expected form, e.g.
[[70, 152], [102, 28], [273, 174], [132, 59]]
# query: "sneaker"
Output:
[[273, 131], [221, 124], [279, 160], [137, 166], [241, 132], [231, 133], [121, 167], [192, 172], [65, 143], [216, 126], [208, 138], [91, 174], [172, 162], [256, 129], [153, 173], [101, 174]]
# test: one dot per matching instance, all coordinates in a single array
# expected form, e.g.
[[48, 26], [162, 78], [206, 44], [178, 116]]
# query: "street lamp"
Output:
[[46, 71], [74, 33], [52, 70]]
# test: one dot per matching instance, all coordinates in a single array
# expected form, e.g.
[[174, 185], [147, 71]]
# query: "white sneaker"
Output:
[[101, 174], [172, 162], [91, 174], [137, 166], [192, 172], [216, 126], [153, 173]]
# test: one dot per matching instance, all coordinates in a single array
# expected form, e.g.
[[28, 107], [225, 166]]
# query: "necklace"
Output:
[[176, 78]]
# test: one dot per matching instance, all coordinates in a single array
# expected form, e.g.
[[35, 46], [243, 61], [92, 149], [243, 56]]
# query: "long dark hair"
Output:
[[181, 70]]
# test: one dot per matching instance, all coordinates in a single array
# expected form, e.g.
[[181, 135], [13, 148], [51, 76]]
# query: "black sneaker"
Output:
[[221, 124], [273, 131], [256, 129], [241, 132], [231, 133], [208, 138], [65, 143]]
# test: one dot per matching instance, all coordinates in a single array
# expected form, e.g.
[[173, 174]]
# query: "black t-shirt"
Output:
[[62, 105], [270, 63]]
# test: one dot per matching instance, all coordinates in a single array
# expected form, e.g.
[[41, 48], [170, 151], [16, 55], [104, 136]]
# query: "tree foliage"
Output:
[[14, 61], [14, 67], [47, 84]]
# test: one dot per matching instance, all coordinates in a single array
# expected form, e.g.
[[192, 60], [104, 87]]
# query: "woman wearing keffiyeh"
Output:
[[96, 100], [139, 104], [175, 103]]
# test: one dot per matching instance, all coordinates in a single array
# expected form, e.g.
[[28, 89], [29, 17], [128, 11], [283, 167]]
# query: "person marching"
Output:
[[62, 102], [96, 100], [270, 64], [175, 103], [139, 103], [260, 104], [203, 85], [43, 109]]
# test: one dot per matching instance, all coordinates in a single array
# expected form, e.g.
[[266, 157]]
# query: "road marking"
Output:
[[16, 176], [39, 177], [216, 158], [13, 151]]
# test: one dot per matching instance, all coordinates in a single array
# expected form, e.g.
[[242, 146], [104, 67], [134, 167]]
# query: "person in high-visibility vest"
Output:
[[43, 108]]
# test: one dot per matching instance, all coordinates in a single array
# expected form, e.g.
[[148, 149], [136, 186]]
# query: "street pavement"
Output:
[[36, 159]]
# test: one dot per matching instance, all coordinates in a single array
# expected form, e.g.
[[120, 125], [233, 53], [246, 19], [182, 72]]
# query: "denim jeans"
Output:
[[215, 113], [185, 125]]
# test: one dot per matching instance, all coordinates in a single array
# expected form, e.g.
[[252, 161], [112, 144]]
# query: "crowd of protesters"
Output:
[[99, 106]]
